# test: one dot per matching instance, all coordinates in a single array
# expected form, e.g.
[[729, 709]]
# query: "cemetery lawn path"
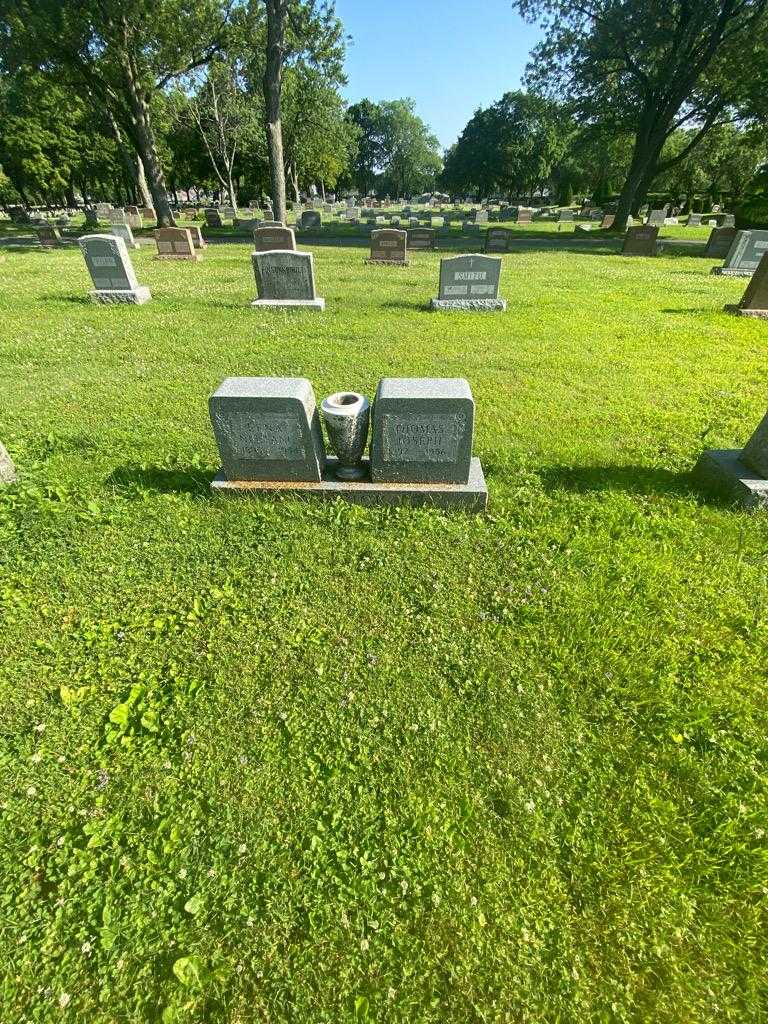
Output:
[[280, 761]]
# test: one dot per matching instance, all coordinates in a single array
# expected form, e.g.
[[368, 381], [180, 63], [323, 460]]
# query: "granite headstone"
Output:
[[111, 271], [285, 279]]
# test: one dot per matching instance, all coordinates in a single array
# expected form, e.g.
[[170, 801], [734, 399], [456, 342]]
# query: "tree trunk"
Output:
[[143, 138], [232, 191], [272, 84], [141, 183]]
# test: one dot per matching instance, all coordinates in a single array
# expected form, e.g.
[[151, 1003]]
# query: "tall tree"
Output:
[[121, 51], [297, 32], [647, 67]]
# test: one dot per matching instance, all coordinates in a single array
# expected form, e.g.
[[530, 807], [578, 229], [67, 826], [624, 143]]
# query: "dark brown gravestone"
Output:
[[389, 245], [422, 238], [175, 244], [640, 241], [49, 236], [754, 301], [498, 239], [719, 242], [268, 239]]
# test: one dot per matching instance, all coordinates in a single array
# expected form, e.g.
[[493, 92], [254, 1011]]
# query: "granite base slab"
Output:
[[755, 314], [314, 304], [467, 305], [469, 497], [110, 297], [722, 470], [724, 272], [195, 258]]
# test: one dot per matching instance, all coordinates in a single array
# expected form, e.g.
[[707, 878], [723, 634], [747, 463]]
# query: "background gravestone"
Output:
[[469, 283], [111, 271], [49, 236], [117, 216], [422, 238], [91, 217], [266, 239], [389, 245], [744, 255], [268, 428], [607, 221], [311, 220], [213, 219], [656, 218], [175, 244], [124, 231], [641, 241], [524, 217], [285, 279], [422, 431], [754, 302], [719, 242], [694, 220], [498, 239]]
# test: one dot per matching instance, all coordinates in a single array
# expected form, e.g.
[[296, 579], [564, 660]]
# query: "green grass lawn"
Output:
[[291, 762]]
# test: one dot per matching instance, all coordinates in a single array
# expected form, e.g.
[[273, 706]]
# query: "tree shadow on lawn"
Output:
[[642, 480], [161, 479], [79, 300]]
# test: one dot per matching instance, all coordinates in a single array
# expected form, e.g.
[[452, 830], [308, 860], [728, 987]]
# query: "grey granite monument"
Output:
[[744, 255], [739, 473], [754, 301], [422, 238], [498, 239], [285, 280], [469, 283], [112, 273], [719, 242], [310, 220], [213, 218], [267, 428], [124, 231]]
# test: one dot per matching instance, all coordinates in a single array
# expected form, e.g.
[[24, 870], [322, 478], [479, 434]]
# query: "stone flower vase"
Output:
[[346, 416]]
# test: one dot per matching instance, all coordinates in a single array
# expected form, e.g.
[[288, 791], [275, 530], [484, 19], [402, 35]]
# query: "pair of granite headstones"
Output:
[[270, 439]]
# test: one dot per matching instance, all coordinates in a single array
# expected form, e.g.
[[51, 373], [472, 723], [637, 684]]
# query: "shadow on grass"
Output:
[[78, 300], [687, 310], [414, 307], [631, 479], [161, 479]]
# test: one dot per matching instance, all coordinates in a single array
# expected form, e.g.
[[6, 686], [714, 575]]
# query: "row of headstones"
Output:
[[285, 277]]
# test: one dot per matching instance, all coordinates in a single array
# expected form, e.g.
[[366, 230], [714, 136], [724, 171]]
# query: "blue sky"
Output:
[[450, 56]]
